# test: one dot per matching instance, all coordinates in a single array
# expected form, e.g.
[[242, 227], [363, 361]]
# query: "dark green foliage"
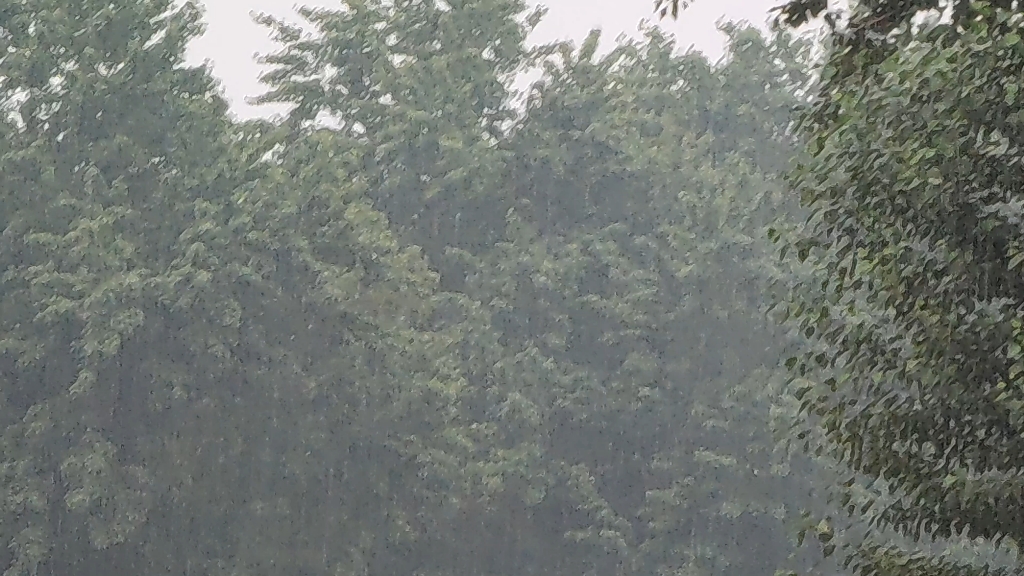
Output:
[[911, 377]]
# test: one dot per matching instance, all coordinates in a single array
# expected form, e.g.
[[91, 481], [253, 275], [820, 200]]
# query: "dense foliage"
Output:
[[444, 336], [912, 376], [612, 348], [449, 334]]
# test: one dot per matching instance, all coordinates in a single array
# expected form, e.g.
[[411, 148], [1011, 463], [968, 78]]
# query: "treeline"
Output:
[[445, 336]]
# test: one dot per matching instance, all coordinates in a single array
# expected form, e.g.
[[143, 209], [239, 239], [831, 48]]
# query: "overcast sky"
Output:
[[232, 38]]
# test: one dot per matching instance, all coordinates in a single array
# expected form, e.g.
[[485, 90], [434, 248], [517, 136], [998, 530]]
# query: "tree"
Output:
[[192, 355], [911, 375], [110, 175], [613, 424]]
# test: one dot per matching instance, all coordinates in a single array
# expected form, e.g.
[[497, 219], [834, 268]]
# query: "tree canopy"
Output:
[[423, 325], [911, 375], [444, 335]]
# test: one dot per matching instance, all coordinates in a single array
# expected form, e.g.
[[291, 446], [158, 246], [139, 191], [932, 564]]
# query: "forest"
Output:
[[652, 316]]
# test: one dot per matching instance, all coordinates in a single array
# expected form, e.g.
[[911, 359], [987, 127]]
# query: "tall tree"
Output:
[[911, 376], [110, 178], [599, 401], [656, 249], [193, 356]]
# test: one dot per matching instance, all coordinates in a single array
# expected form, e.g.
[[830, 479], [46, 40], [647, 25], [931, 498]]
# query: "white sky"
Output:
[[232, 39]]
